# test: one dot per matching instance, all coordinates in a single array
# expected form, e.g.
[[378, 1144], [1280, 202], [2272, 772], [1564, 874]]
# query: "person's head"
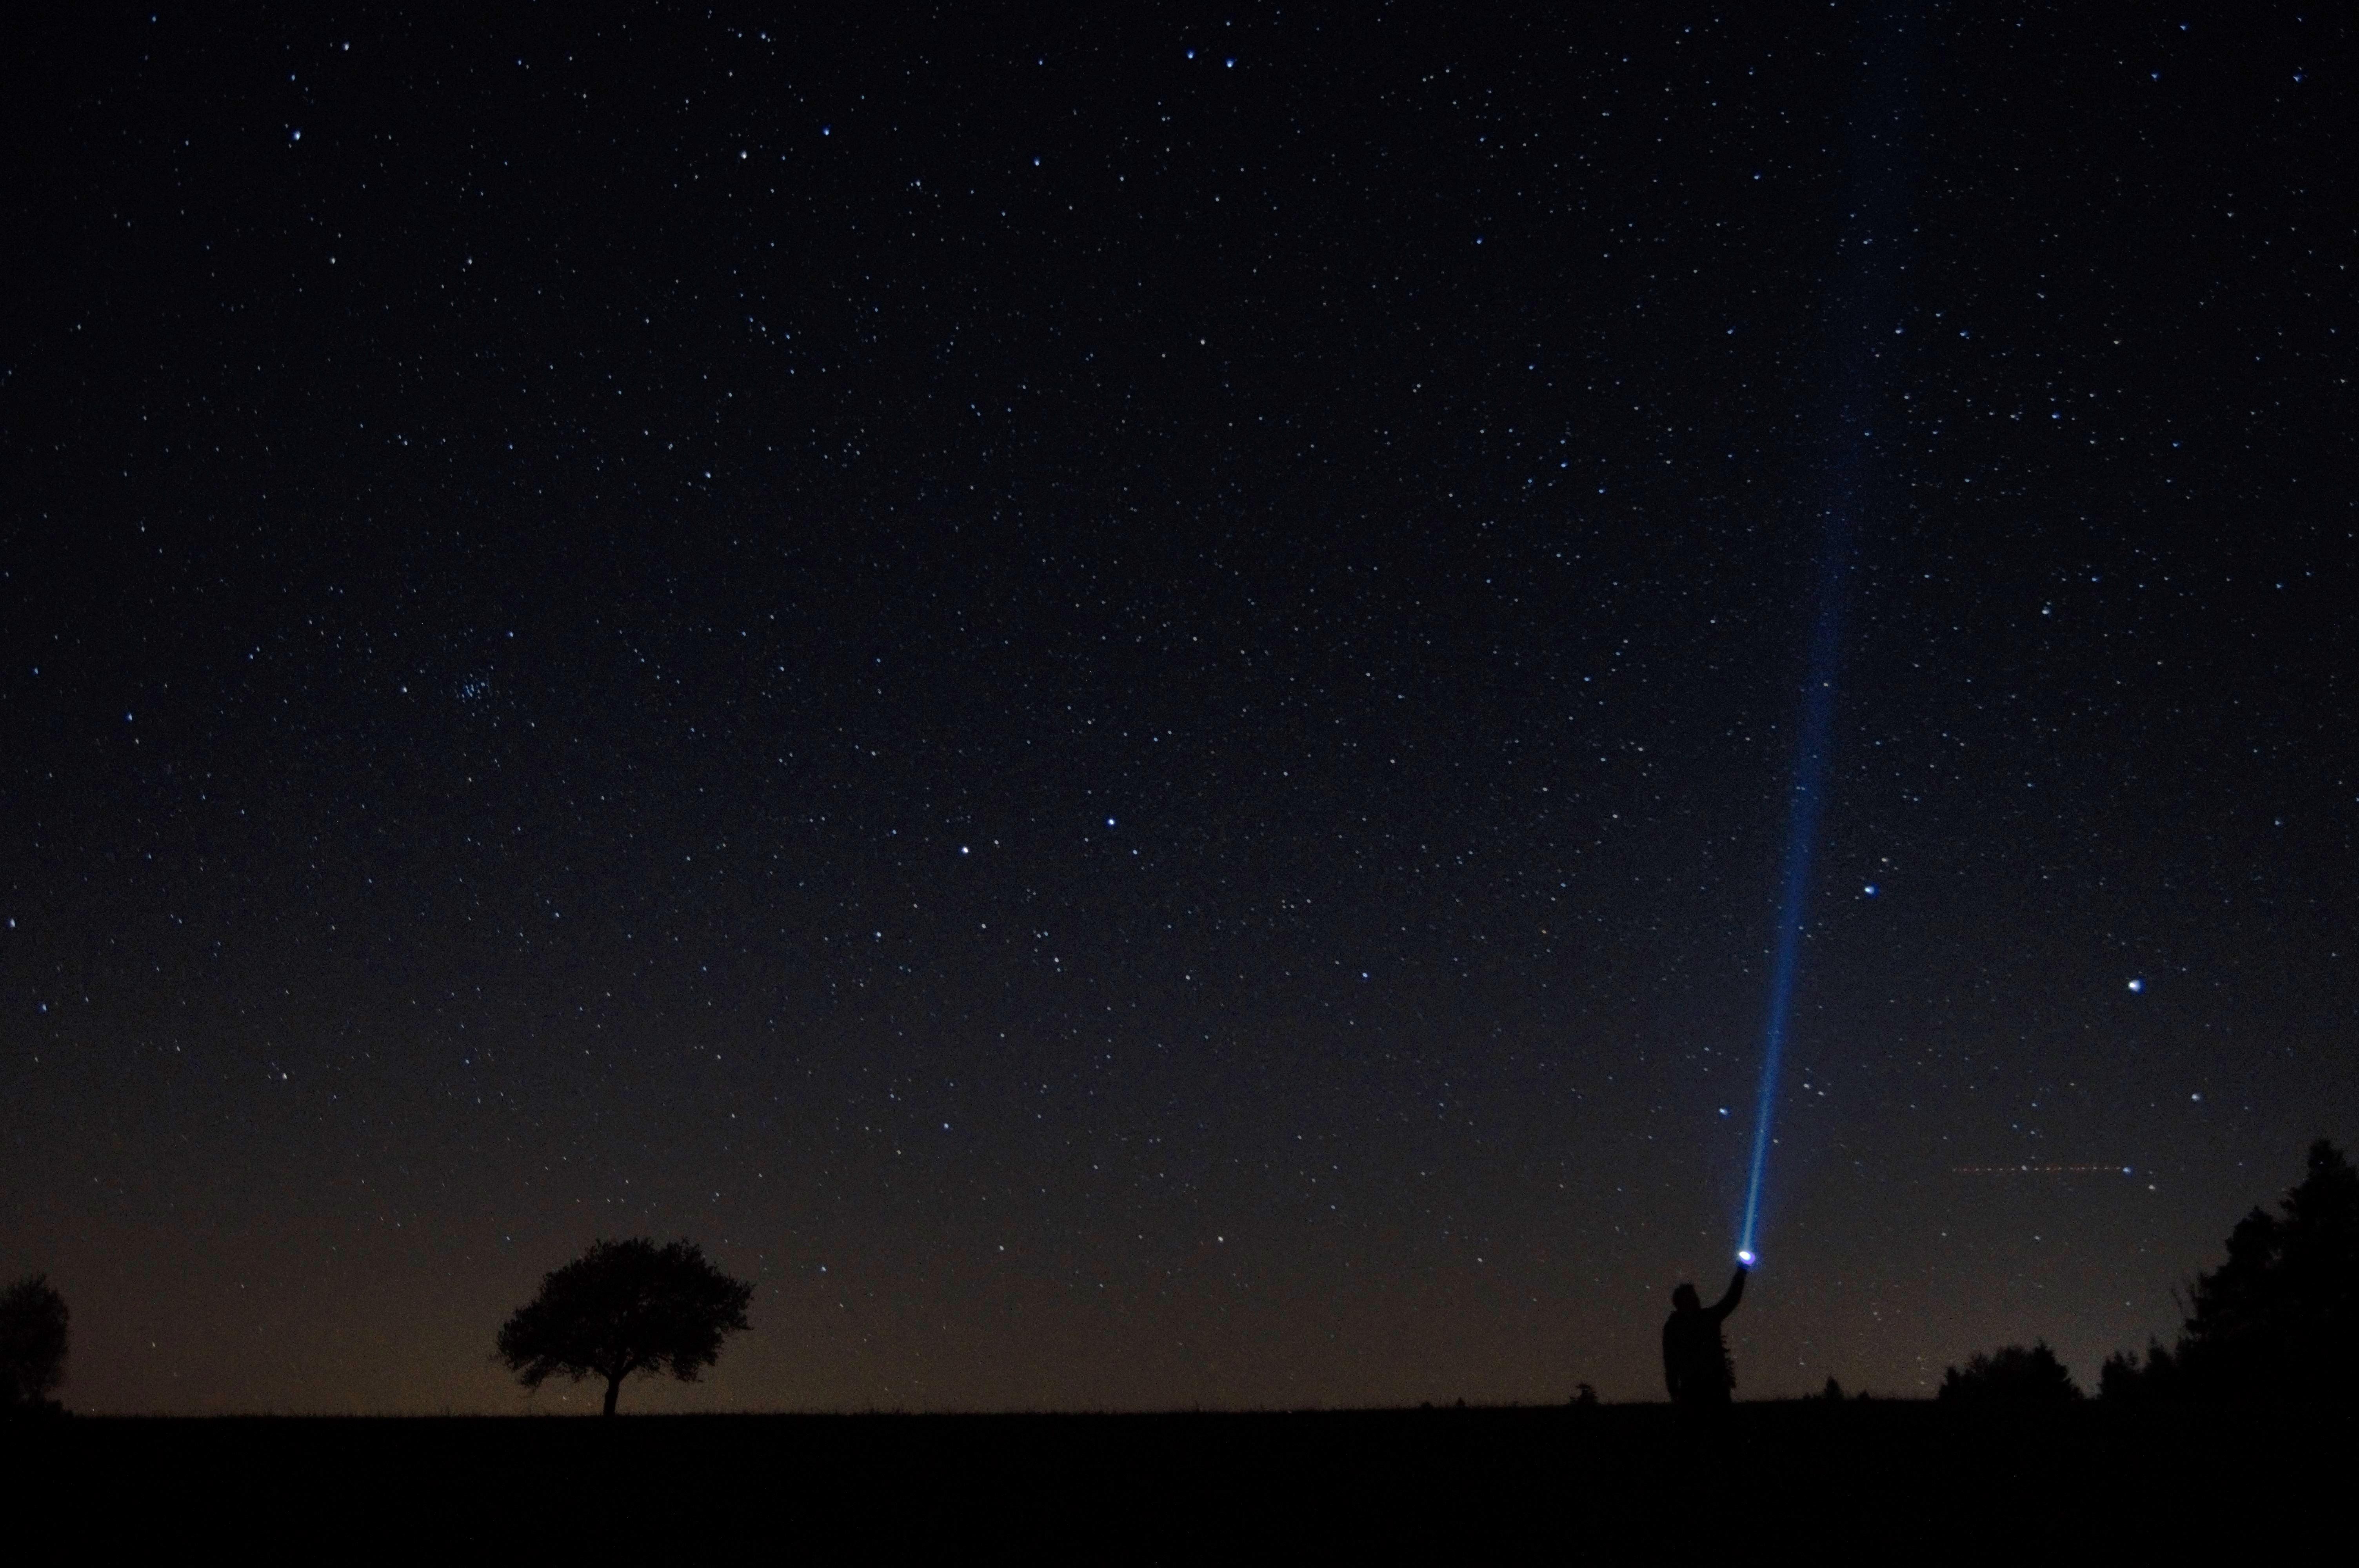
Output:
[[1684, 1298]]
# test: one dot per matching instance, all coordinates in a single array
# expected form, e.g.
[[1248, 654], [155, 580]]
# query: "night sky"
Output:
[[1112, 696]]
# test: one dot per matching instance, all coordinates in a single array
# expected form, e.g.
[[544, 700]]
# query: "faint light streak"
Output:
[[2040, 1170]]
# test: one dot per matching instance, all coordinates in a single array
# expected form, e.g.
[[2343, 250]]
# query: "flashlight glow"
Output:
[[1745, 1257]]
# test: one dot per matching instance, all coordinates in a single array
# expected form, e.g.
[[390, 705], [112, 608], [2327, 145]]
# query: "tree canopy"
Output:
[[2276, 1320], [624, 1307], [32, 1343]]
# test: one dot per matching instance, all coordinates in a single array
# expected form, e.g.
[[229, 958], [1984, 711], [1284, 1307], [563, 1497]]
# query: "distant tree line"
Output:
[[2275, 1324], [2011, 1374]]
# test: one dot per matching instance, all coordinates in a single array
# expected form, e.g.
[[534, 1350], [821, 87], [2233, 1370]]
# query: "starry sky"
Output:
[[1112, 694]]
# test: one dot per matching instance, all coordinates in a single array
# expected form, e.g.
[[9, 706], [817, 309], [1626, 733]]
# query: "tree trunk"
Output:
[[613, 1386]]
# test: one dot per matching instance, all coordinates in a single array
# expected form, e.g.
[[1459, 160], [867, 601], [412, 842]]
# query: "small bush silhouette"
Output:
[[2011, 1375], [625, 1307], [32, 1344]]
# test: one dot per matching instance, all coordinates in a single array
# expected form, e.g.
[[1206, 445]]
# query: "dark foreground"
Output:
[[1905, 1481]]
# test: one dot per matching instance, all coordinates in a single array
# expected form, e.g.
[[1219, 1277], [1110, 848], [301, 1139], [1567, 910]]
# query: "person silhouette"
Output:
[[1696, 1367]]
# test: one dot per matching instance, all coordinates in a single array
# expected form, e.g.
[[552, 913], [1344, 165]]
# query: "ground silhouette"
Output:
[[1882, 1478], [624, 1307]]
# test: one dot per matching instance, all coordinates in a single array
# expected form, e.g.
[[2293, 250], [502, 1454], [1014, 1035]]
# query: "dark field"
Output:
[[1903, 1480]]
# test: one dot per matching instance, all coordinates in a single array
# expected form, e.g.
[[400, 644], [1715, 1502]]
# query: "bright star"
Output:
[[2137, 985]]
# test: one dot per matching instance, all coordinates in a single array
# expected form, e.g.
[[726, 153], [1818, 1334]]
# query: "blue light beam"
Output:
[[1803, 810], [1866, 315]]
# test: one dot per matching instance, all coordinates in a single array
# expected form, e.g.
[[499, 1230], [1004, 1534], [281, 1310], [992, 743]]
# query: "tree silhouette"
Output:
[[2279, 1319], [2123, 1381], [2011, 1375], [32, 1343], [625, 1307]]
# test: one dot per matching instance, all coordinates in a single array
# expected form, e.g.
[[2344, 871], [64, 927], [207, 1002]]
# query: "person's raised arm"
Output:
[[1728, 1304]]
